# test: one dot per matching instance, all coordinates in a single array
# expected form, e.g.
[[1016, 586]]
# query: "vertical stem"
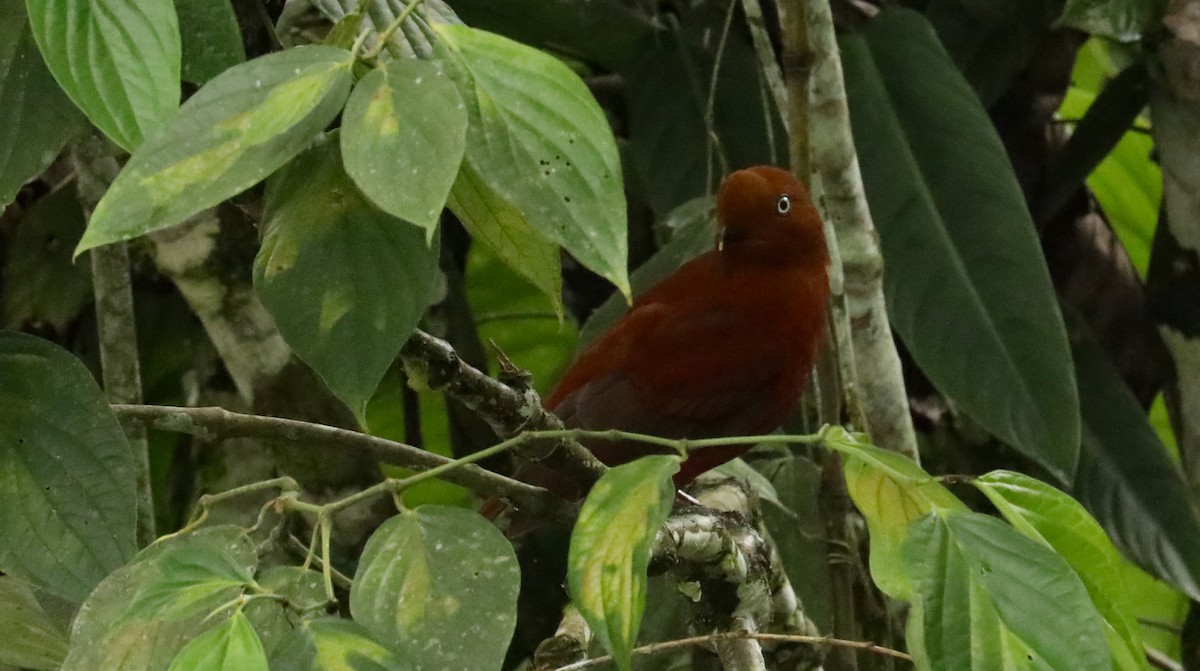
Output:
[[96, 166], [797, 73], [877, 401]]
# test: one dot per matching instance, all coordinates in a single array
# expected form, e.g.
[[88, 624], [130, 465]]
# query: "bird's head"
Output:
[[766, 212]]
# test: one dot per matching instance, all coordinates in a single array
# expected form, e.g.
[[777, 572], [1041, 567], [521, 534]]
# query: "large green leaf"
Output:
[[229, 646], [38, 118], [610, 549], [332, 644], [989, 598], [106, 635], [1045, 514], [440, 584], [1126, 479], [345, 282], [212, 41], [31, 639], [538, 139], [403, 136], [67, 502], [500, 227], [190, 576], [892, 492], [117, 59], [966, 287], [235, 131]]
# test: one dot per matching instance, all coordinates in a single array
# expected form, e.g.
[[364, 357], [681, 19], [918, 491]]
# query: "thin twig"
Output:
[[668, 646], [96, 165], [710, 105], [221, 422]]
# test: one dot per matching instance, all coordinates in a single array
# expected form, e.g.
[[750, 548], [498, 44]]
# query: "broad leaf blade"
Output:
[[403, 136], [538, 139], [439, 583], [610, 549], [38, 117], [986, 592], [331, 644], [1126, 479], [106, 636], [229, 646], [892, 492], [31, 640], [67, 502], [191, 577], [234, 132], [345, 282], [1045, 514], [211, 39], [959, 243], [117, 59], [497, 225]]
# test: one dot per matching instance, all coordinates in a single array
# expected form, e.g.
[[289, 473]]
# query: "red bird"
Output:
[[722, 347]]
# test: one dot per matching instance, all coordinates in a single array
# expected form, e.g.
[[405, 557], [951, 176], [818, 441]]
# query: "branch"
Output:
[[96, 166], [711, 639], [858, 296], [507, 410], [226, 424]]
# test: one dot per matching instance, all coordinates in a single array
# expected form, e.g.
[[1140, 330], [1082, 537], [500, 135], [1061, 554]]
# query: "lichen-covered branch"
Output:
[[506, 409], [873, 375], [218, 422], [112, 286]]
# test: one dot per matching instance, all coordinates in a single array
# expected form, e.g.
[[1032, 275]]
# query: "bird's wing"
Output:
[[648, 376]]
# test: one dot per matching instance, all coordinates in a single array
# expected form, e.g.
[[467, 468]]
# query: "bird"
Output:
[[724, 346]]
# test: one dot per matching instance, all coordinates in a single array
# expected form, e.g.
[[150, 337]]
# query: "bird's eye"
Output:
[[784, 205]]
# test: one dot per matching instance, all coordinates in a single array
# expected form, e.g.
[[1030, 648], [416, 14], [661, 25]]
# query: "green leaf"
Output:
[[332, 644], [229, 646], [1121, 20], [892, 492], [439, 583], [105, 636], [235, 131], [494, 223], [610, 549], [345, 282], [958, 241], [66, 472], [403, 136], [212, 40], [38, 117], [117, 59], [1045, 514], [1126, 478], [192, 575], [538, 140], [31, 640], [41, 284], [986, 593]]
